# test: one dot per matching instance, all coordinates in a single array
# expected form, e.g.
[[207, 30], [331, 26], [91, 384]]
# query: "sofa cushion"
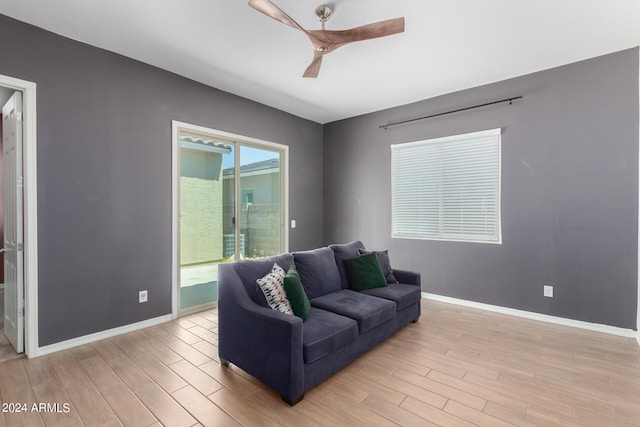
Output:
[[325, 332], [318, 271], [364, 272], [272, 286], [250, 270], [367, 310], [296, 295], [385, 264], [402, 295], [342, 252]]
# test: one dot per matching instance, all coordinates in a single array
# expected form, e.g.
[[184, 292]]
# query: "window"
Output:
[[447, 188], [247, 196]]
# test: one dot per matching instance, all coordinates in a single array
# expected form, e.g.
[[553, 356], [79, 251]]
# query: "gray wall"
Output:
[[569, 191], [570, 175], [104, 175]]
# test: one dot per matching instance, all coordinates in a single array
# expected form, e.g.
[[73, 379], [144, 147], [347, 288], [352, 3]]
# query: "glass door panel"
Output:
[[260, 207], [230, 206], [206, 217]]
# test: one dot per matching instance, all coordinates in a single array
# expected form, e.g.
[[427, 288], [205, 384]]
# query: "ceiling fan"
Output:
[[326, 41]]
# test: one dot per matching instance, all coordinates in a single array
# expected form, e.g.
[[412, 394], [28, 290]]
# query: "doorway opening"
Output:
[[11, 260], [229, 203], [19, 200]]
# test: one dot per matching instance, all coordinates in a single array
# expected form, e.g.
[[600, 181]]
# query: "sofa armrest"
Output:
[[407, 277], [265, 343]]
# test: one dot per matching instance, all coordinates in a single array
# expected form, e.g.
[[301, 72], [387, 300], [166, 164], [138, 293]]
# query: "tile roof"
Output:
[[256, 166]]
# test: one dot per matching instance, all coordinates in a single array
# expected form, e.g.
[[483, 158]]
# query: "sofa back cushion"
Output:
[[318, 272], [250, 270], [342, 252]]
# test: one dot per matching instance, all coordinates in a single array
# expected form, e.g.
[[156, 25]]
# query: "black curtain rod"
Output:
[[509, 100]]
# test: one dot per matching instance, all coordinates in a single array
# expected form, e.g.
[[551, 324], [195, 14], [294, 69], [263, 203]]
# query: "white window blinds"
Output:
[[447, 188]]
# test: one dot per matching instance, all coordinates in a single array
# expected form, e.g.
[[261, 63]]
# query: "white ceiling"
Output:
[[448, 45]]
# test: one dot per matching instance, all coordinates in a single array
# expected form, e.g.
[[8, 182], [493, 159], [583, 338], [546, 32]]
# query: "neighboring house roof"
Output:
[[264, 166], [204, 144]]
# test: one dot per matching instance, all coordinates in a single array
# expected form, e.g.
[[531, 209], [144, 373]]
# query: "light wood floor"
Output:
[[456, 367]]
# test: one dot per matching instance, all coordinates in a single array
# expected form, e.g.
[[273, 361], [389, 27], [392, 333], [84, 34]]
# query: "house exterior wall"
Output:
[[264, 186], [261, 220], [201, 207]]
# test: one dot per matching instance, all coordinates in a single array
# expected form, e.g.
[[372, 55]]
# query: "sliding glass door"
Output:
[[203, 244], [225, 212]]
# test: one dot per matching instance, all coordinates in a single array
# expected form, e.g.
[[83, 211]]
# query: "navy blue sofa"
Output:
[[291, 356]]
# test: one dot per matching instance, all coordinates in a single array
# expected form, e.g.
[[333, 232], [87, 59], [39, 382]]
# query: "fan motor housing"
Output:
[[323, 13]]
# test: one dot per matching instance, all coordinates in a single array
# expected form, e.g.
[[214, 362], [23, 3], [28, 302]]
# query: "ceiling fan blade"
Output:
[[364, 32], [326, 41], [273, 11], [314, 68]]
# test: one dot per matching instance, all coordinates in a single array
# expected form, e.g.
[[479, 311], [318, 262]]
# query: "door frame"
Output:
[[638, 237], [176, 128], [30, 209]]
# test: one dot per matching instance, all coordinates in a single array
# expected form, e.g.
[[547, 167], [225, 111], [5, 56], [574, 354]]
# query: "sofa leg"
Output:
[[292, 402], [415, 320], [224, 362]]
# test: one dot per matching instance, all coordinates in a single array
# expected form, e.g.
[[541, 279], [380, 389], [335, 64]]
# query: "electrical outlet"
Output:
[[548, 291], [143, 296]]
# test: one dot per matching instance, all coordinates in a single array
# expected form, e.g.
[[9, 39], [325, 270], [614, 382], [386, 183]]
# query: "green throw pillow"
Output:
[[364, 272], [296, 295]]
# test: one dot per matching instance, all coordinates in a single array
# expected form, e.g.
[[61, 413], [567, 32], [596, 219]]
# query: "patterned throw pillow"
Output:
[[273, 290]]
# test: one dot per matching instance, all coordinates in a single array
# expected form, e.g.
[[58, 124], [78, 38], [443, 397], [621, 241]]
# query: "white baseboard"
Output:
[[613, 330], [86, 339], [630, 333]]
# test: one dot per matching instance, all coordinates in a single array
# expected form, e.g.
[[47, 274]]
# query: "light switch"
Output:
[[293, 223]]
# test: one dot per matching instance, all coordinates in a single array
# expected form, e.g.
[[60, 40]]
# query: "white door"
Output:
[[13, 255]]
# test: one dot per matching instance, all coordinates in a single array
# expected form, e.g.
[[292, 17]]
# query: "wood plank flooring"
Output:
[[456, 367]]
